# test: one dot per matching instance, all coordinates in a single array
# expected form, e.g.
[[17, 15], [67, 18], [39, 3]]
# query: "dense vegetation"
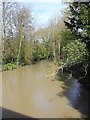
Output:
[[65, 40], [21, 43], [78, 51]]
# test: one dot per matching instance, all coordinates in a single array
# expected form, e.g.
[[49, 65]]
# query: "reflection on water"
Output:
[[31, 92], [77, 96]]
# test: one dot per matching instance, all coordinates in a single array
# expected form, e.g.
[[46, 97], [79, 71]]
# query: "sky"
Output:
[[44, 10]]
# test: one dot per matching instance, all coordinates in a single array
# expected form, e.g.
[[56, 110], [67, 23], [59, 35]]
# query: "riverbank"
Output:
[[11, 66]]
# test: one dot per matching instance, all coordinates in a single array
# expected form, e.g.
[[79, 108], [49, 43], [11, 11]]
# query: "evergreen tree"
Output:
[[78, 23]]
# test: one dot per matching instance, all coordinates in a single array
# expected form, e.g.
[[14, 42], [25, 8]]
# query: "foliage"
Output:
[[39, 52], [10, 52], [9, 66], [78, 18], [17, 27], [78, 23], [25, 54], [75, 52], [48, 46], [67, 36]]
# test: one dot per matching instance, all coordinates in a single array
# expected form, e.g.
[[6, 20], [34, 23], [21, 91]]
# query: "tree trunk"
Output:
[[18, 56], [3, 25], [20, 44]]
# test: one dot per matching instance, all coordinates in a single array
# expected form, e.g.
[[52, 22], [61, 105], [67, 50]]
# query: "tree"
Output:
[[17, 33], [24, 21], [39, 51], [78, 23], [7, 28]]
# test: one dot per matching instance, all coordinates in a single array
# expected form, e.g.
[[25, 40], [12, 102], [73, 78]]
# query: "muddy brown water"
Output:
[[34, 91]]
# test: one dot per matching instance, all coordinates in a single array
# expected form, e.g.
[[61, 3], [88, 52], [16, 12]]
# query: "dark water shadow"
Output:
[[6, 113], [76, 94]]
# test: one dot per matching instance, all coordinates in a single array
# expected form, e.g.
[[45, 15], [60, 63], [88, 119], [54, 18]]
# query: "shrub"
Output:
[[9, 66]]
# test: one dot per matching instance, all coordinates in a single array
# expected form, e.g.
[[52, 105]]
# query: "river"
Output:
[[34, 91]]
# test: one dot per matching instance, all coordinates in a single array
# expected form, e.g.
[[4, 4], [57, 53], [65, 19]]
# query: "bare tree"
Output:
[[23, 27]]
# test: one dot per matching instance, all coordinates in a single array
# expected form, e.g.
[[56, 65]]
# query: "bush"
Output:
[[9, 66], [74, 52], [39, 52]]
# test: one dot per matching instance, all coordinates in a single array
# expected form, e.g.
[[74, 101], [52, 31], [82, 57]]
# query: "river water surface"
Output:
[[34, 91]]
